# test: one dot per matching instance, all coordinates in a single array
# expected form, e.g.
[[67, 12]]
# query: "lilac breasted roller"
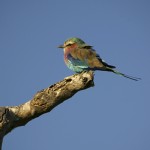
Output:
[[80, 57]]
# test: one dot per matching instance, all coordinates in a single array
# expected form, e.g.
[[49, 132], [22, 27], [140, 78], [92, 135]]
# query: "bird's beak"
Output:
[[61, 46]]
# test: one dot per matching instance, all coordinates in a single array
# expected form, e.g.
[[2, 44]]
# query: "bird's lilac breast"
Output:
[[75, 64]]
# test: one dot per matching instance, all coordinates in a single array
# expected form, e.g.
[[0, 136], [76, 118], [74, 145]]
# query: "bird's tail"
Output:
[[124, 75]]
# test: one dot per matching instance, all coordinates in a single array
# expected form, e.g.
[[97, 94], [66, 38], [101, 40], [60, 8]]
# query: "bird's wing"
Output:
[[88, 57]]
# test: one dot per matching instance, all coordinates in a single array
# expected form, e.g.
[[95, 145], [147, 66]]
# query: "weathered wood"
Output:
[[43, 102]]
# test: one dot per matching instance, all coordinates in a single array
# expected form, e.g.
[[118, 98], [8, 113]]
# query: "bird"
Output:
[[79, 57]]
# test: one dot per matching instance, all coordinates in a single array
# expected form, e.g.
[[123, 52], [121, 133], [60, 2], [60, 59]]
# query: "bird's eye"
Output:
[[69, 44]]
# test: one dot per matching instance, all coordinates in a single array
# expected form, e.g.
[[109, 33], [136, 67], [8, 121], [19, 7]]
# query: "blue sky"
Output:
[[112, 115]]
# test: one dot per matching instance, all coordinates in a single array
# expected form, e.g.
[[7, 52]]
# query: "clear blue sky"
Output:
[[113, 115]]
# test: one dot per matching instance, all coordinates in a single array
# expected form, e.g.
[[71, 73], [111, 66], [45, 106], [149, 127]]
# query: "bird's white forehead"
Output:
[[69, 42]]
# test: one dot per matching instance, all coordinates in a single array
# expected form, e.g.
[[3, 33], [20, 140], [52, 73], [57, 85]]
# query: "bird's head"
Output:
[[73, 43]]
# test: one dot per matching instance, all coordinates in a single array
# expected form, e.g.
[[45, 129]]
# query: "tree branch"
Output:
[[43, 102]]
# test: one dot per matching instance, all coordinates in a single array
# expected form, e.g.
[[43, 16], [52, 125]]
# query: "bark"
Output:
[[43, 101]]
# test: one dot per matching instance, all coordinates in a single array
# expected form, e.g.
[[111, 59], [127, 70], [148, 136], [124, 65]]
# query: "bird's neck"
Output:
[[67, 50]]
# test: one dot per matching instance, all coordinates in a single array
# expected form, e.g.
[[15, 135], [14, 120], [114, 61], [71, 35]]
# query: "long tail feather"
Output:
[[124, 75]]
